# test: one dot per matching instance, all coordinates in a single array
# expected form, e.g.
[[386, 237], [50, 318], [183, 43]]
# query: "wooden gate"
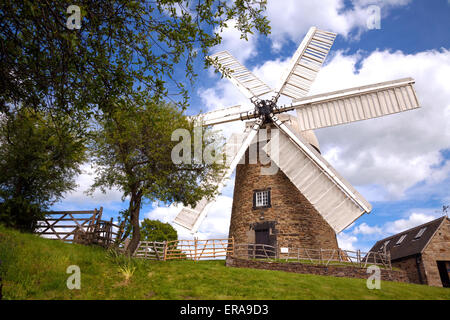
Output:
[[85, 227]]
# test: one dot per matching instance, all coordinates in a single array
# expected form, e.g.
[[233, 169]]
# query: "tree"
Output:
[[121, 47], [133, 152], [155, 230], [39, 158]]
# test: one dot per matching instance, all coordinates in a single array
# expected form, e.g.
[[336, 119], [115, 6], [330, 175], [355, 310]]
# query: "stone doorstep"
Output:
[[336, 271]]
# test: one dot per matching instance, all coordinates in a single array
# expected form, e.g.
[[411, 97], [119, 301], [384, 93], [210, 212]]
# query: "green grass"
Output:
[[35, 268]]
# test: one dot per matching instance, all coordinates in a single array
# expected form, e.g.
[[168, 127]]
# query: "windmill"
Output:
[[305, 176]]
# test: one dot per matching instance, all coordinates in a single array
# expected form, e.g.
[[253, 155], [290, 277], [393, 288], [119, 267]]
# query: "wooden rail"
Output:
[[85, 227], [314, 256], [220, 248], [185, 249]]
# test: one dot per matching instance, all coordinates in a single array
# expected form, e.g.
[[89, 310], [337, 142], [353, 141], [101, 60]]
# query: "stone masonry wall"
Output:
[[295, 221], [437, 250], [336, 271], [410, 267]]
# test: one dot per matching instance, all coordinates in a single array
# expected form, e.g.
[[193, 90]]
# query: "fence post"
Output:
[[358, 256], [165, 250], [389, 259], [195, 252]]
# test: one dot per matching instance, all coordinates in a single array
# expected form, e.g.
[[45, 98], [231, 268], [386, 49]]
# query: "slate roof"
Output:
[[411, 244]]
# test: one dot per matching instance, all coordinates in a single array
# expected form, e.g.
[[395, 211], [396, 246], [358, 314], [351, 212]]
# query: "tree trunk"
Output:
[[135, 208]]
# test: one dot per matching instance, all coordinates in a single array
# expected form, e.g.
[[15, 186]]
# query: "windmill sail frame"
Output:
[[339, 202]]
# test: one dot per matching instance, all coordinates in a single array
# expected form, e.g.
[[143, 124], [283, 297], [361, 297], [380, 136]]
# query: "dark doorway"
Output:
[[263, 246], [265, 240], [262, 236], [444, 270]]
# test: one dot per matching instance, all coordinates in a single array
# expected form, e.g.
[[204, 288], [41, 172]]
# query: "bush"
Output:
[[20, 214], [155, 230]]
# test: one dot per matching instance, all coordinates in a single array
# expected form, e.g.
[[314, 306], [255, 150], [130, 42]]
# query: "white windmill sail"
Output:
[[330, 194], [333, 197], [305, 64], [191, 218], [239, 75], [355, 104], [222, 115]]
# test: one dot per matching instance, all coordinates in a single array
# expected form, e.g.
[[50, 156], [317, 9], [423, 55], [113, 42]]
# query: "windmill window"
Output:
[[420, 233], [261, 199], [401, 239]]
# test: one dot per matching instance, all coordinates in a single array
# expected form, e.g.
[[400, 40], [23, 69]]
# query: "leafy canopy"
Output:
[[39, 159], [132, 151], [122, 47], [155, 230]]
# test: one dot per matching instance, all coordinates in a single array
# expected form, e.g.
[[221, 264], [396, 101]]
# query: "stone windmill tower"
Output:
[[297, 198], [268, 208]]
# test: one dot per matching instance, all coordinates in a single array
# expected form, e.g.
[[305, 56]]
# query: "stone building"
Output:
[[269, 209], [423, 252]]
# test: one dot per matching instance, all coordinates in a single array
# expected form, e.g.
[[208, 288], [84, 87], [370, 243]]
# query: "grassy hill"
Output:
[[35, 268]]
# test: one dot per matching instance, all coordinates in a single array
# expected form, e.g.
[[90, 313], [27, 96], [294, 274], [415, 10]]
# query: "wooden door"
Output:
[[262, 238]]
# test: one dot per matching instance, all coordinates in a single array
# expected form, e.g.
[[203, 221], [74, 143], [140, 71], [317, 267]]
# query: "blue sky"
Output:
[[400, 163]]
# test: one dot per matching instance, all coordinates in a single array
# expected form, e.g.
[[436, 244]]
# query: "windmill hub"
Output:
[[265, 108]]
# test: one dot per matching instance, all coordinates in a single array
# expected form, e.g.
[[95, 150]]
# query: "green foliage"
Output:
[[42, 275], [122, 47], [20, 213], [132, 151], [155, 230], [39, 158]]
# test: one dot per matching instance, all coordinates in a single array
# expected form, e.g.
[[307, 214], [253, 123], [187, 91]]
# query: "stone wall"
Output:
[[293, 220], [335, 271], [409, 265], [438, 249]]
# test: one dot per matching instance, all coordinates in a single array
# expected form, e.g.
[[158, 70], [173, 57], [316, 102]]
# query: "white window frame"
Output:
[[262, 198], [420, 233], [401, 239]]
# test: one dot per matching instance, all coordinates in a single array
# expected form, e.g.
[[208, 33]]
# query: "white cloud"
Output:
[[397, 151], [290, 19], [347, 241], [363, 234], [78, 199], [241, 49], [215, 225], [414, 220], [365, 229]]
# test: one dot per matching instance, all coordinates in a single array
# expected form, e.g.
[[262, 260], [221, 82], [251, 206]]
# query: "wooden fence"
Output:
[[221, 248], [185, 249], [313, 256], [85, 227]]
